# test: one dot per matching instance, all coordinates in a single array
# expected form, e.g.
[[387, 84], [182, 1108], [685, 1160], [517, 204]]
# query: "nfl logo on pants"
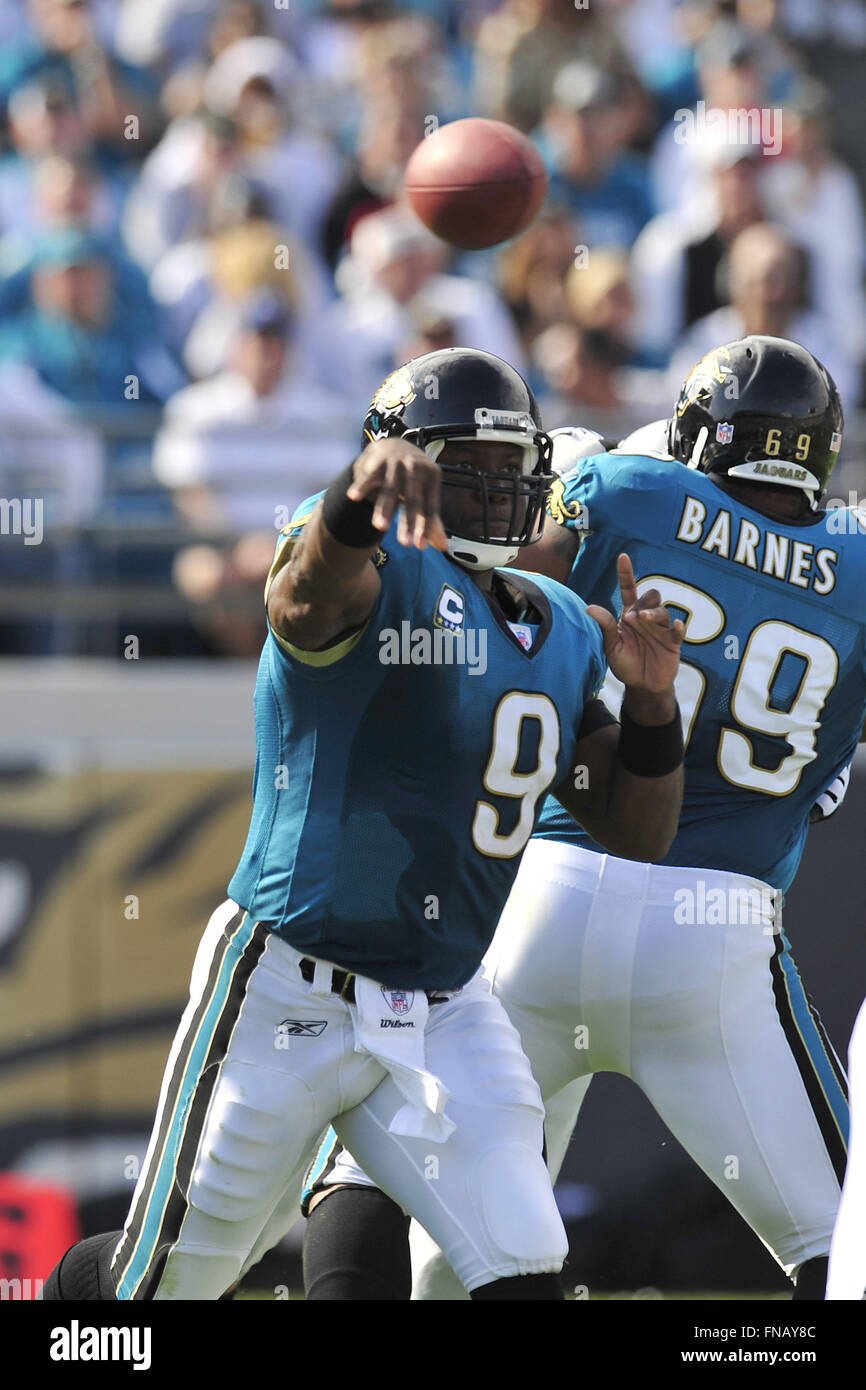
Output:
[[399, 1001]]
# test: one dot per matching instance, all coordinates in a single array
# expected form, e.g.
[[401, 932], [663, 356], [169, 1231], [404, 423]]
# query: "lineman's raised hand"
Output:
[[394, 473], [643, 648]]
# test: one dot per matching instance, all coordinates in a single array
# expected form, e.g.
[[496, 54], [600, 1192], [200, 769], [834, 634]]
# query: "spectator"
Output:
[[658, 37], [182, 281], [766, 287], [245, 128], [390, 130], [580, 385], [841, 21], [170, 202], [66, 229], [361, 54], [432, 330], [676, 261], [44, 121], [524, 42], [584, 362], [735, 72], [45, 452], [243, 449], [183, 37], [66, 193], [223, 586], [591, 174], [206, 284], [533, 268], [599, 300], [405, 57], [808, 192], [76, 332], [394, 260], [257, 83], [106, 90]]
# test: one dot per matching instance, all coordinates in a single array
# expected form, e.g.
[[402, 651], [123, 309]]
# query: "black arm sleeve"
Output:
[[596, 715]]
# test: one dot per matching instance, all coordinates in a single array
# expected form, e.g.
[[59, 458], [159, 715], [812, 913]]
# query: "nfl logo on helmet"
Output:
[[724, 433]]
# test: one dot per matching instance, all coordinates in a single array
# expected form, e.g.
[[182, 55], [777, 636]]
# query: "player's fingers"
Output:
[[606, 621], [386, 505], [413, 504], [400, 486], [658, 616], [655, 624], [368, 477], [627, 586], [651, 599], [436, 534], [433, 529]]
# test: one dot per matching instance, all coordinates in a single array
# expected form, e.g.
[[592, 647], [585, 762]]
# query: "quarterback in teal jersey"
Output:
[[678, 974], [414, 704]]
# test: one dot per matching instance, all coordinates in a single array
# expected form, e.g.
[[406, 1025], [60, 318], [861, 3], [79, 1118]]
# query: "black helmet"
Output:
[[760, 408], [462, 393]]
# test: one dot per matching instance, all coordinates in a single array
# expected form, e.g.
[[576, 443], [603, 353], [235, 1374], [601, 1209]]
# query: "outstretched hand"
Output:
[[393, 473], [643, 648]]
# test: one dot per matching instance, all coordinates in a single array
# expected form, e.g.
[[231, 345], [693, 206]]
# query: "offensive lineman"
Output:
[[393, 796], [681, 977]]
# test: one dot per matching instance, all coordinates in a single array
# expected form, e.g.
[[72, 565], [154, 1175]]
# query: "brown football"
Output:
[[476, 182]]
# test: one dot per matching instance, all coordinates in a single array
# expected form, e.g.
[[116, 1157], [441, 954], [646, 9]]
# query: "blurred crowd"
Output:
[[206, 267]]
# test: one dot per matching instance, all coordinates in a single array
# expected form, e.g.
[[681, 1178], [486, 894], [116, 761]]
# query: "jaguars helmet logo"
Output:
[[388, 404], [713, 367], [559, 509], [396, 390]]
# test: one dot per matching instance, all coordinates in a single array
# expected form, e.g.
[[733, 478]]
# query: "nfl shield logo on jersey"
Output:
[[523, 634], [399, 1001], [724, 433]]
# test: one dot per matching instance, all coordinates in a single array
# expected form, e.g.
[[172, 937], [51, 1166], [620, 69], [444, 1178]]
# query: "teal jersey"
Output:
[[399, 774], [772, 681]]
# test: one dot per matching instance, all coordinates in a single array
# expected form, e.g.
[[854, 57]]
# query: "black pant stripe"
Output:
[[817, 1096]]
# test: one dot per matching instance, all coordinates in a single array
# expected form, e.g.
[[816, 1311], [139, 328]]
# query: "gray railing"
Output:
[[114, 556]]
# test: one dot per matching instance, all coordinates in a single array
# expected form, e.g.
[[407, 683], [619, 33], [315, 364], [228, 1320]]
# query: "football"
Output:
[[476, 182]]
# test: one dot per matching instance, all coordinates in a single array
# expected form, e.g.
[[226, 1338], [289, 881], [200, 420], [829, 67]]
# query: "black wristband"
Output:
[[350, 523], [650, 750]]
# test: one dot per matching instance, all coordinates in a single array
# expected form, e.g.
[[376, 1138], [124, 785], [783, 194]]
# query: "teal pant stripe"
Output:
[[164, 1180], [327, 1151]]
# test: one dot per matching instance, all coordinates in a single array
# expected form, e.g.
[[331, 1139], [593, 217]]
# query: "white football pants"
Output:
[[681, 980], [263, 1061]]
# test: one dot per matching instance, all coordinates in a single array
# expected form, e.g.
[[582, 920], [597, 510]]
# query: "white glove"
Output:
[[572, 443]]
